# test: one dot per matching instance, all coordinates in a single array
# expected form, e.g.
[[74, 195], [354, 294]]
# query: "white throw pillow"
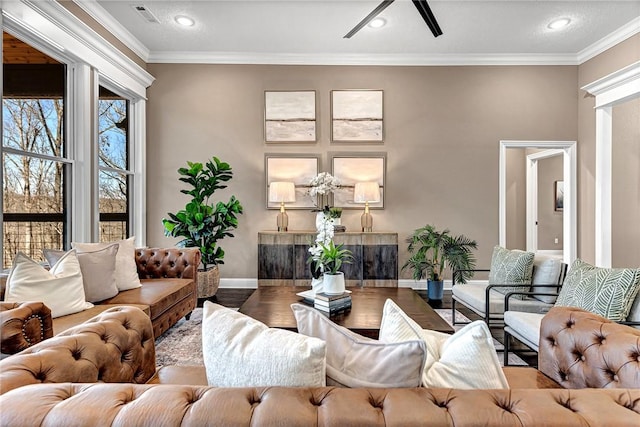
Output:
[[98, 271], [465, 360], [357, 361], [59, 288], [239, 351], [126, 269]]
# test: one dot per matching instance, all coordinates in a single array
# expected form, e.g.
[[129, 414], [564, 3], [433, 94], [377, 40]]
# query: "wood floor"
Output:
[[234, 297]]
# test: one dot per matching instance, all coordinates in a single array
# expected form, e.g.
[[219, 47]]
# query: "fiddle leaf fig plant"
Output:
[[202, 223]]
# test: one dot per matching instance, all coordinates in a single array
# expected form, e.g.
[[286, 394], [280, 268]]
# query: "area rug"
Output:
[[182, 344]]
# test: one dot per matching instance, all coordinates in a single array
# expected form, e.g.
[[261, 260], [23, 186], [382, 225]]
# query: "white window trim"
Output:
[[51, 28]]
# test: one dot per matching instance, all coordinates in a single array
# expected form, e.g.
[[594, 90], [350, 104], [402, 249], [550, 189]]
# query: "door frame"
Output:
[[570, 210], [532, 195]]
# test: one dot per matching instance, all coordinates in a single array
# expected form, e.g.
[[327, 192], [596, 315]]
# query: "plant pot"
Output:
[[435, 290], [208, 282], [333, 284]]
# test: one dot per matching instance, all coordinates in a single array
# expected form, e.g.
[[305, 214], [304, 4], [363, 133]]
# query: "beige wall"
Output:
[[442, 131], [626, 161]]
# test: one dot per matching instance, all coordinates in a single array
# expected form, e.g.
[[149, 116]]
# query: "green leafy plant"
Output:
[[431, 250], [202, 223], [335, 212], [330, 258]]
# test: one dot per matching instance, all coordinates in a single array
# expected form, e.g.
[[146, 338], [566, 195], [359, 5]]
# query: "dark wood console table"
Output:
[[282, 258]]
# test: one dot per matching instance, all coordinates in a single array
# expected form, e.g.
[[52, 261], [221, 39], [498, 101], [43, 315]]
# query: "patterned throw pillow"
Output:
[[511, 267], [609, 292]]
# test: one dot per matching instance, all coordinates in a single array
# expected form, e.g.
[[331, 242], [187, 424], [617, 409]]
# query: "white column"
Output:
[[139, 162], [82, 136], [570, 209], [603, 186]]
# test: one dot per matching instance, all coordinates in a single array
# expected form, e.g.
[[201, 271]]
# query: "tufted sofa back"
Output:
[[579, 349], [175, 405], [115, 346], [156, 263]]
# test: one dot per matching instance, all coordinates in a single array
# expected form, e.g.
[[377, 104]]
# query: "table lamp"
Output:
[[282, 192], [365, 192]]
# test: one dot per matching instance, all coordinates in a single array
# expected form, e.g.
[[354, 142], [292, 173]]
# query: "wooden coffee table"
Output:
[[272, 306]]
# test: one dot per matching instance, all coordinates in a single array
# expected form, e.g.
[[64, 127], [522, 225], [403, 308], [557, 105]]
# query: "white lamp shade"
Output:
[[282, 192], [366, 192]]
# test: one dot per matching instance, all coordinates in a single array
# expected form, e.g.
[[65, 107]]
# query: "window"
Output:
[[114, 171], [35, 165], [74, 142]]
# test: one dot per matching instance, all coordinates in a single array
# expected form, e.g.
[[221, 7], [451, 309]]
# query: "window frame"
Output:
[[90, 60]]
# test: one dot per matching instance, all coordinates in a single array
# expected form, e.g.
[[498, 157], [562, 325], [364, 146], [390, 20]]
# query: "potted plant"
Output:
[[203, 222], [432, 250], [327, 259]]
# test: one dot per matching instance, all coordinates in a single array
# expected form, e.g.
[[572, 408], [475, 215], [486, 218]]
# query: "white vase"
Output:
[[333, 284], [337, 221]]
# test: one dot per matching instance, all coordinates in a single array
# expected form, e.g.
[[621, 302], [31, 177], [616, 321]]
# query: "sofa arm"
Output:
[[115, 346], [155, 263], [580, 349], [23, 324]]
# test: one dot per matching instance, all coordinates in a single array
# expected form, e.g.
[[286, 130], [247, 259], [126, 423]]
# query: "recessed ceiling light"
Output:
[[185, 20], [377, 23], [559, 23]]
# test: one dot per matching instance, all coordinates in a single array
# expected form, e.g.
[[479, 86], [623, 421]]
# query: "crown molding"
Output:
[[104, 18], [621, 34], [359, 59]]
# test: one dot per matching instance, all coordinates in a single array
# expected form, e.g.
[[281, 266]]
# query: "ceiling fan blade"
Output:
[[427, 15], [382, 6]]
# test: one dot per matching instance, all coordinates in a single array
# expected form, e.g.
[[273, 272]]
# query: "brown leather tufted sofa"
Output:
[[168, 293], [95, 404], [579, 349]]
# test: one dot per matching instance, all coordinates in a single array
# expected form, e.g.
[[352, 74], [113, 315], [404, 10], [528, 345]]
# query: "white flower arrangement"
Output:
[[323, 183]]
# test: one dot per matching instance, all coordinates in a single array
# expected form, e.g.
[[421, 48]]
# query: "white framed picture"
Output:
[[290, 116], [357, 116]]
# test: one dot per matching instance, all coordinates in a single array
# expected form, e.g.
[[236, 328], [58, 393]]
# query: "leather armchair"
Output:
[[115, 346], [23, 325]]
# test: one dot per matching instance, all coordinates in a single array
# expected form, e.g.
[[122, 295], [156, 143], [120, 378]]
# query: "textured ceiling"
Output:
[[306, 28]]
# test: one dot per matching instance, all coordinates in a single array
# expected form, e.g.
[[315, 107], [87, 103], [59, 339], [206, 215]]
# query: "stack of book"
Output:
[[332, 304]]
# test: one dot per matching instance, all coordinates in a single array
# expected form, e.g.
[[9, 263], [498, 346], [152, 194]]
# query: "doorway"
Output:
[[569, 221]]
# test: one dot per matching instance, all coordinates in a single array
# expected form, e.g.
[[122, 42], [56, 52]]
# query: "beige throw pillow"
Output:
[[464, 360], [59, 288], [357, 361], [98, 271], [239, 351], [126, 269]]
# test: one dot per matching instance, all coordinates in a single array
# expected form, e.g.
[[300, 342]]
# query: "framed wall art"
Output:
[[558, 196], [296, 168], [352, 168], [357, 115], [290, 116]]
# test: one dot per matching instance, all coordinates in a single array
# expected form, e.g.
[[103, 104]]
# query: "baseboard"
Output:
[[422, 285], [247, 283]]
